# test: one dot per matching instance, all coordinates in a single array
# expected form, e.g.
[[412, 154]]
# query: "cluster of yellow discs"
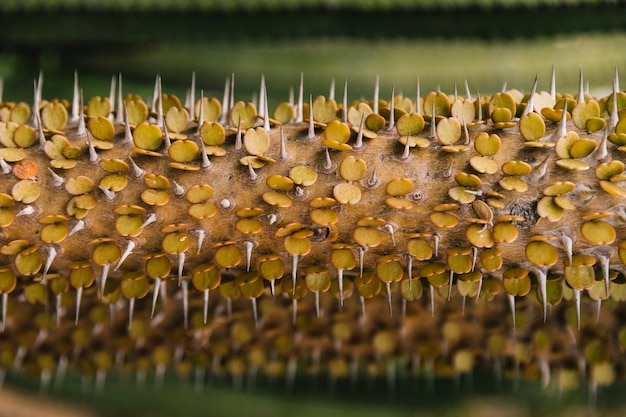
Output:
[[437, 234]]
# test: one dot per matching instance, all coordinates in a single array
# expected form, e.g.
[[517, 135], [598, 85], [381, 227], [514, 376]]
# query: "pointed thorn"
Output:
[[80, 225], [317, 304], [152, 217], [137, 172], [553, 83], [110, 195], [340, 279], [6, 168], [192, 92], [418, 98], [131, 309], [79, 297], [93, 156], [359, 138], [253, 175], [75, 99], [238, 141], [577, 301], [181, 264], [389, 304], [249, 245], [52, 254], [255, 312], [119, 116], [450, 282], [5, 302], [58, 180], [294, 272], [201, 236], [283, 148], [299, 115], [205, 309], [129, 249], [328, 165], [185, 286], [155, 295], [311, 133]]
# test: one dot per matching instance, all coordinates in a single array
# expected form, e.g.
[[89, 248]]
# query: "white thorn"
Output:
[[36, 100], [93, 156], [159, 104], [390, 229], [311, 133], [79, 297], [238, 141], [317, 304], [530, 105], [225, 105], [58, 180], [231, 99], [433, 123], [480, 107], [450, 282], [40, 87], [392, 110], [340, 280], [456, 92], [42, 137], [6, 168], [26, 211], [331, 93], [266, 113], [359, 137], [294, 310], [206, 162], [81, 130], [1, 97], [75, 99], [181, 264], [436, 238], [376, 94], [577, 301], [137, 172], [299, 116], [119, 116], [407, 148], [155, 295], [205, 309], [511, 299], [255, 312], [418, 98], [389, 304], [179, 190], [200, 113], [253, 175], [129, 249], [166, 136], [373, 179], [467, 91], [290, 98], [581, 87], [52, 254], [131, 308], [80, 225], [409, 270], [562, 128], [294, 271], [504, 86], [152, 217], [201, 236], [57, 309], [272, 286], [328, 165], [361, 259], [474, 256], [185, 287], [249, 245], [192, 101], [103, 279], [112, 97], [283, 148], [110, 195], [5, 301], [262, 98]]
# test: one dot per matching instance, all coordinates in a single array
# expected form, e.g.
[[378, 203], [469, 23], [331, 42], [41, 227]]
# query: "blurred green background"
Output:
[[486, 42]]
